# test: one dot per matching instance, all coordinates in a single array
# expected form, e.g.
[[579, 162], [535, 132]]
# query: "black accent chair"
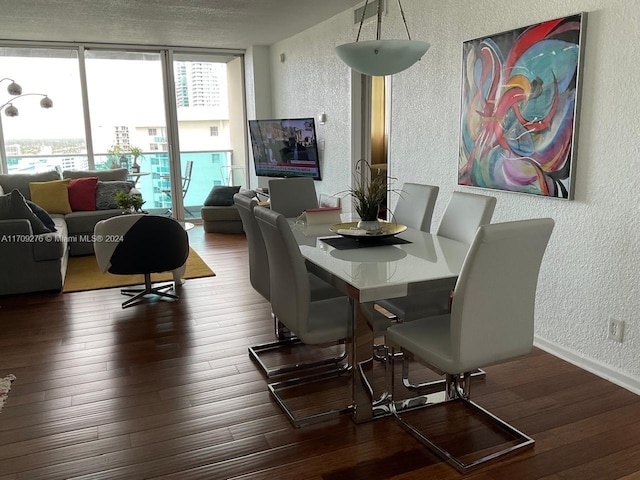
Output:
[[142, 244]]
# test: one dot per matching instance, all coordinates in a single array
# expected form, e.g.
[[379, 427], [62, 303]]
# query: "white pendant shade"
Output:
[[382, 57]]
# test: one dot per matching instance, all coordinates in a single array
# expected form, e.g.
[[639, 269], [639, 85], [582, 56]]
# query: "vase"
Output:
[[135, 168], [369, 225]]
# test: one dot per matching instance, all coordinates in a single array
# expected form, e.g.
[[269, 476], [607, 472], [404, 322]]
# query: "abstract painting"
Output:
[[519, 107]]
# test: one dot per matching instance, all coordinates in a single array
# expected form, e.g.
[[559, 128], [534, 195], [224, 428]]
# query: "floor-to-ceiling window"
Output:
[[39, 139], [204, 131], [178, 108], [126, 97]]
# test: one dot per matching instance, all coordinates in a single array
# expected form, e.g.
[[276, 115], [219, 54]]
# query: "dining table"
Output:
[[367, 270]]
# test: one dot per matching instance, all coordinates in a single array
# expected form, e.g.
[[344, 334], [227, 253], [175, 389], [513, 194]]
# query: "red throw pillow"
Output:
[[82, 194]]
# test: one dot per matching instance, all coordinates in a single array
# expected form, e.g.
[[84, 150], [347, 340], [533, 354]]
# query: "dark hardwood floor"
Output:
[[167, 390]]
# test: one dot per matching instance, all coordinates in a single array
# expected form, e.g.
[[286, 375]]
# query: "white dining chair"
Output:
[[415, 204], [259, 278], [322, 322], [464, 213], [292, 196], [491, 321]]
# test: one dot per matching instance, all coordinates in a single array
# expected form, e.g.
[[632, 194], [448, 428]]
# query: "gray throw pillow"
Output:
[[106, 193], [221, 196], [13, 206], [42, 214]]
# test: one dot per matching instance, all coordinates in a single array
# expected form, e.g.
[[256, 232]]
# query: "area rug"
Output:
[[83, 274], [5, 386]]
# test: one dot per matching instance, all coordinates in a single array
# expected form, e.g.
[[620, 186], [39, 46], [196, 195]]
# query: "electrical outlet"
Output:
[[616, 330]]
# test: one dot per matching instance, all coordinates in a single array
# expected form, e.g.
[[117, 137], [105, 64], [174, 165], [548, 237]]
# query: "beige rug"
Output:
[[5, 386], [83, 274]]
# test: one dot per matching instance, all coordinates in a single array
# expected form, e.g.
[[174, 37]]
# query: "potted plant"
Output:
[[129, 203], [114, 155], [369, 192], [136, 153]]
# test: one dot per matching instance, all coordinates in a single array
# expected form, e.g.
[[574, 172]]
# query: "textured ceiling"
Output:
[[234, 24]]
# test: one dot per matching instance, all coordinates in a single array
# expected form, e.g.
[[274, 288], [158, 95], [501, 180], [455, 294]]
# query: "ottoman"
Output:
[[221, 219]]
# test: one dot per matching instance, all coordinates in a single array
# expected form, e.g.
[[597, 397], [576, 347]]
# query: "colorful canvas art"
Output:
[[519, 107]]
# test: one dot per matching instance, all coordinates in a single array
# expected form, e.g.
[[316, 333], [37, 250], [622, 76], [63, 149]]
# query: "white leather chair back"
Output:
[[492, 312], [292, 196], [258, 260], [108, 232], [465, 212], [415, 204], [290, 293]]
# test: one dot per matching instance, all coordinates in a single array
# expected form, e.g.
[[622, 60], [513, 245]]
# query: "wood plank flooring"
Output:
[[167, 390]]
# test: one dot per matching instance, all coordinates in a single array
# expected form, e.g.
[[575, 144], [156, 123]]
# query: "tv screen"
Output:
[[285, 148]]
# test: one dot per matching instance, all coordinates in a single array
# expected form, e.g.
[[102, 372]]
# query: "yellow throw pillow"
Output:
[[52, 196]]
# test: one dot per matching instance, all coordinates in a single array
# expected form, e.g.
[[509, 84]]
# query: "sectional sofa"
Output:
[[35, 259]]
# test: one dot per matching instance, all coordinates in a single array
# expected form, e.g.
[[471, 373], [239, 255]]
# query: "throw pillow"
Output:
[[82, 194], [52, 196], [106, 193], [13, 206], [221, 196], [42, 214]]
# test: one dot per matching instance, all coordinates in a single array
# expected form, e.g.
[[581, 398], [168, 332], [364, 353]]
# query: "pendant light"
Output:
[[381, 57]]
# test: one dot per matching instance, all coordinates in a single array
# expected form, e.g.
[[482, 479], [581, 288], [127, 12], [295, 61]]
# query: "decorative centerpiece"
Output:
[[369, 193], [129, 203]]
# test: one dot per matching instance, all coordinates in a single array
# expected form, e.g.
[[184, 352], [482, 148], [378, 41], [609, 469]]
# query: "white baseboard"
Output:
[[608, 373]]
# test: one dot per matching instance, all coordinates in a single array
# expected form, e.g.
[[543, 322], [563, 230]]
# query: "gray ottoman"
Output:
[[219, 214], [221, 219]]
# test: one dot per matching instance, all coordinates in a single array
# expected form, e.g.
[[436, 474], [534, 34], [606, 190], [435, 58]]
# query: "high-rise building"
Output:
[[121, 136], [200, 84]]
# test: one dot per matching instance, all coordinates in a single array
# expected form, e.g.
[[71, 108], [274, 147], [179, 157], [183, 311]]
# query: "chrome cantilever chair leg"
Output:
[[431, 386], [457, 390], [277, 389], [287, 339]]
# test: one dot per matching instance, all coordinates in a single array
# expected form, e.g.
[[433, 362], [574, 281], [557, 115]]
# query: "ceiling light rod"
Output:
[[379, 21], [381, 57], [16, 90]]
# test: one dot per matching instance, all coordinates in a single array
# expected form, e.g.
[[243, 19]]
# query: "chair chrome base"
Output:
[[137, 294], [255, 351], [455, 393], [299, 421], [380, 405], [286, 338]]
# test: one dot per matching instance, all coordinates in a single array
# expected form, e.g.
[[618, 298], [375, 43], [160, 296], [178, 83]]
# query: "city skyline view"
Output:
[[126, 108]]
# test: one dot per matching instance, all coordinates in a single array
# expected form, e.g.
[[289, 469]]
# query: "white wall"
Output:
[[590, 271], [258, 98], [312, 80]]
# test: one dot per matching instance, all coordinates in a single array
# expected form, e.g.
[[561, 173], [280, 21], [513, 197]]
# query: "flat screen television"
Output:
[[285, 148]]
